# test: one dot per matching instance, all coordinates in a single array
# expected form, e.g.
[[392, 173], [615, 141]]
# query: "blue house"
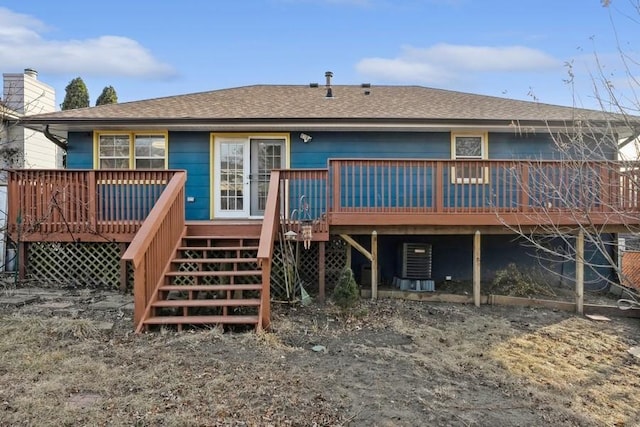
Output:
[[192, 193]]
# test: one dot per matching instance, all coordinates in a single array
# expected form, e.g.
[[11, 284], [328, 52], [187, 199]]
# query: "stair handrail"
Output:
[[154, 244], [268, 234]]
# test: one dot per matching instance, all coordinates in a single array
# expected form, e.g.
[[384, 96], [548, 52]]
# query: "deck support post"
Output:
[[123, 268], [22, 260], [374, 265], [347, 262], [321, 271], [580, 272], [476, 269]]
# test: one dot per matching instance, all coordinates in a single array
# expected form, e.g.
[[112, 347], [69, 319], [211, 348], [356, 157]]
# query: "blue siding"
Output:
[[327, 145], [80, 150], [540, 147], [191, 151], [512, 146], [420, 145]]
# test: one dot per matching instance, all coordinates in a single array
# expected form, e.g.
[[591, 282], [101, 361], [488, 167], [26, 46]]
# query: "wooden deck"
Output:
[[396, 196], [400, 196], [81, 205], [350, 196]]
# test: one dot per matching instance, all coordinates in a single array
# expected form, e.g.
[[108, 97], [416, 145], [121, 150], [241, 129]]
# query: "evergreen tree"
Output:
[[108, 96], [346, 293], [76, 96]]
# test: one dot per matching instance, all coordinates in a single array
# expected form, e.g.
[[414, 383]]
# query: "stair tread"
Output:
[[214, 273], [173, 320], [214, 260], [213, 288], [222, 236], [222, 302], [218, 248]]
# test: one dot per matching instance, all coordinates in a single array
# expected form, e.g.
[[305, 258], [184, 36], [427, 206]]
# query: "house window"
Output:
[[129, 150], [465, 147]]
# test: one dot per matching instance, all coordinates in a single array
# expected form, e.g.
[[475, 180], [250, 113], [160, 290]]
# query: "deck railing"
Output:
[[304, 195], [268, 234], [155, 244], [366, 190], [94, 204]]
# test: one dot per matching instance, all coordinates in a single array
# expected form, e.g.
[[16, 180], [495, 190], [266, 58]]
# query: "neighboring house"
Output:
[[20, 147], [400, 173], [631, 269]]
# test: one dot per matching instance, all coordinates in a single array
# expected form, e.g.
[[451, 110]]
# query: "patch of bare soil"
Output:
[[384, 363]]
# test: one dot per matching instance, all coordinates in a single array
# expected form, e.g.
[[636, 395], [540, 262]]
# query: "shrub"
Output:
[[514, 282], [346, 292]]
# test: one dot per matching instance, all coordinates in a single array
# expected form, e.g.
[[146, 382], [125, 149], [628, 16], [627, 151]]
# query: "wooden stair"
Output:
[[214, 279]]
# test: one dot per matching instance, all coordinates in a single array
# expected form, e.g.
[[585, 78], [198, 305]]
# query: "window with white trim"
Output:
[[129, 150], [465, 146]]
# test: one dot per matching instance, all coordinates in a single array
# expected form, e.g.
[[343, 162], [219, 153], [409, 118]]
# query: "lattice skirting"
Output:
[[98, 265], [95, 265], [306, 261]]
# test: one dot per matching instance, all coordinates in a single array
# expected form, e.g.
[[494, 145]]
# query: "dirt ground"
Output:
[[384, 363]]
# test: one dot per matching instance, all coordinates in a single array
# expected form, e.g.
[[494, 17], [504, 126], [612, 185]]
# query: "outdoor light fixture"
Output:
[[305, 138], [290, 235]]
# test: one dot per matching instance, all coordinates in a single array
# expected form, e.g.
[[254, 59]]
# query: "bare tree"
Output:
[[593, 192]]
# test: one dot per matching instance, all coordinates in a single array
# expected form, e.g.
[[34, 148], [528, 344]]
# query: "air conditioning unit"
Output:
[[416, 261]]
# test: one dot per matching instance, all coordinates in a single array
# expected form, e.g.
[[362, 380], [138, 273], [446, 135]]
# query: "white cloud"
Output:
[[22, 45], [443, 63]]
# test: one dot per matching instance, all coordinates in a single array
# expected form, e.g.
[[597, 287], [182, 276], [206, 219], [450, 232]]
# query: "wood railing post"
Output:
[[605, 188], [265, 296], [439, 189], [13, 201], [139, 292], [524, 188], [476, 268], [268, 233], [93, 200], [336, 167]]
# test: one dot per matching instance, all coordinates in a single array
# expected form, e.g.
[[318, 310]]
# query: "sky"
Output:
[[148, 49]]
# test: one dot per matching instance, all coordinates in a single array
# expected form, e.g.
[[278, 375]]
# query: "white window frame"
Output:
[[484, 151]]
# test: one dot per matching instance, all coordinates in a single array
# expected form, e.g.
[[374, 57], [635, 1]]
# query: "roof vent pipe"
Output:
[[328, 75], [31, 72]]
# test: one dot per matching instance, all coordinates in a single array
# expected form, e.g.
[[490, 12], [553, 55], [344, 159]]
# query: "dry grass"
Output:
[[389, 363], [586, 363]]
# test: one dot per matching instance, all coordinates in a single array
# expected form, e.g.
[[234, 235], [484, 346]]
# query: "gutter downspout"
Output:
[[53, 139]]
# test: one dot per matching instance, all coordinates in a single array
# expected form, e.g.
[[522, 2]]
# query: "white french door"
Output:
[[242, 169], [231, 181]]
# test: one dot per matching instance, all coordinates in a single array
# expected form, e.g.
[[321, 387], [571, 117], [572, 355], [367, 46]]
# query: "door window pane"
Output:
[[231, 176], [267, 154]]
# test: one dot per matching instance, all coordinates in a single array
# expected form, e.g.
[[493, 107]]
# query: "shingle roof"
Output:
[[631, 269], [277, 102]]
